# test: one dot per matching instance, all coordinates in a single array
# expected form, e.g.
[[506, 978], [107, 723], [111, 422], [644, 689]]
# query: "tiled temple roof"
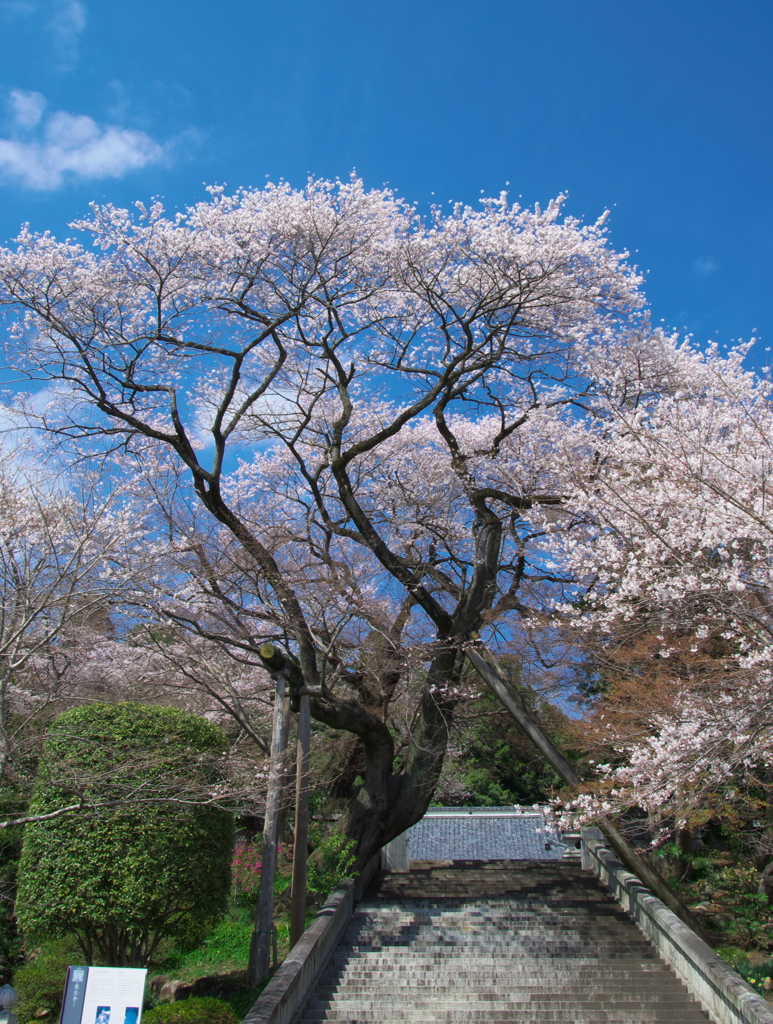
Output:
[[484, 833]]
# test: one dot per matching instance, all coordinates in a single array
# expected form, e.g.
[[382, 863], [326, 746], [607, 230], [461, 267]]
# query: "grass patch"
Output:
[[755, 968], [225, 949]]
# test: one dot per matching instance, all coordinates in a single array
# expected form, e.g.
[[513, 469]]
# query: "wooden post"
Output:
[[301, 848], [485, 664], [260, 946], [487, 668]]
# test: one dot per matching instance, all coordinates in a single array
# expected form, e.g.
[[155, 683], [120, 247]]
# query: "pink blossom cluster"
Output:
[[245, 868]]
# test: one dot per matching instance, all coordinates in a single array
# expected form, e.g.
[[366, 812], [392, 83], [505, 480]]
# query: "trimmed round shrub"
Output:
[[149, 864], [196, 1010]]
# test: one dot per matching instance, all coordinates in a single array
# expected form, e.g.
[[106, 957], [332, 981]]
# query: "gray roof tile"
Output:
[[483, 833]]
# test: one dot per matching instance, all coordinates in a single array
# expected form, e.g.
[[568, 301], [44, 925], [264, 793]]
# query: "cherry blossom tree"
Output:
[[364, 402], [60, 548], [673, 485]]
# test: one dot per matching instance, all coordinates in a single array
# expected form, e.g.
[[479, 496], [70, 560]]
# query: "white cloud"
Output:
[[66, 22], [704, 266], [68, 146], [18, 8], [26, 107], [63, 21]]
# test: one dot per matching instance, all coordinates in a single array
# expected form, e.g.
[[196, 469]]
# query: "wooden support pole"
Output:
[[487, 668], [301, 847], [485, 664], [259, 963]]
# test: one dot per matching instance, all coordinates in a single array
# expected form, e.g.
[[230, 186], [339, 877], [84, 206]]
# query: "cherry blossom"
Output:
[[365, 435]]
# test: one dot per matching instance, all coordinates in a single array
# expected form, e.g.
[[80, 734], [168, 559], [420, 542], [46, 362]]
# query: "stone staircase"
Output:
[[506, 941]]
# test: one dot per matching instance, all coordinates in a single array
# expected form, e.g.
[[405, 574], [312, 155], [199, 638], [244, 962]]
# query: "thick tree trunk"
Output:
[[429, 741], [387, 804], [363, 817]]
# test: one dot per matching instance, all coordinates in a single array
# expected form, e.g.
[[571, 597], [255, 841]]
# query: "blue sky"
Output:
[[660, 110]]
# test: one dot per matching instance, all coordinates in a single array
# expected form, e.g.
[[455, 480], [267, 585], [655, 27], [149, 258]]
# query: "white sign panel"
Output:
[[103, 995]]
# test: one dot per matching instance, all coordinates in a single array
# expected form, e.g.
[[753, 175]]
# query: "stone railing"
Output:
[[289, 988], [726, 996]]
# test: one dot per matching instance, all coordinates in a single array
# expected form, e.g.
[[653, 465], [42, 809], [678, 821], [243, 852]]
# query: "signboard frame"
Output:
[[103, 995]]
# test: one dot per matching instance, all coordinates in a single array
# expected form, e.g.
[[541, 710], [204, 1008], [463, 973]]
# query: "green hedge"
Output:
[[123, 877]]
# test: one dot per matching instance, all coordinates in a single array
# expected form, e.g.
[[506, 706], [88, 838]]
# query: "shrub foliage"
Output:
[[196, 1010], [153, 860], [40, 982]]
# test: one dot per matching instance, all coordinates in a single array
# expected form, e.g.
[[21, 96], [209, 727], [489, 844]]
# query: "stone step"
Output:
[[394, 956], [487, 993], [545, 1010], [554, 981], [442, 939], [469, 972], [501, 944], [490, 937], [527, 921], [599, 917], [504, 966], [472, 934], [553, 1017], [449, 1010], [469, 1001], [499, 983], [499, 941], [513, 952], [632, 1015], [423, 976], [539, 1000], [511, 912], [513, 915], [490, 934], [526, 943]]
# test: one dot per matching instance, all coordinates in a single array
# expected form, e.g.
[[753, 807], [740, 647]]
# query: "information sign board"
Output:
[[103, 995]]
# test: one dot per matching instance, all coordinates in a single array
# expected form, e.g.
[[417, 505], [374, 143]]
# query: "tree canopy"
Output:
[[373, 436]]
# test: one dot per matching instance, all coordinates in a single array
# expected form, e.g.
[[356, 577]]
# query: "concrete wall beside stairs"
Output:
[[727, 997], [289, 988]]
